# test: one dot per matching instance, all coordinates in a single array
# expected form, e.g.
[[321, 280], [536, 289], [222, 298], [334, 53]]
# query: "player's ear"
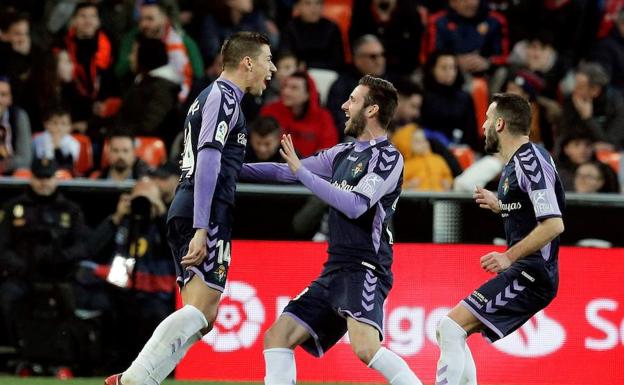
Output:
[[500, 124], [248, 63], [372, 110]]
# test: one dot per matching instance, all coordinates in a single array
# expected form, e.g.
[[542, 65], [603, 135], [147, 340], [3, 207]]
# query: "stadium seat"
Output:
[[339, 11], [323, 79], [481, 100], [464, 154], [22, 173], [63, 174], [612, 158], [150, 149], [85, 158]]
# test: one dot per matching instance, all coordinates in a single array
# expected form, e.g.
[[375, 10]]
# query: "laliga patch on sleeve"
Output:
[[221, 132], [369, 185], [542, 204]]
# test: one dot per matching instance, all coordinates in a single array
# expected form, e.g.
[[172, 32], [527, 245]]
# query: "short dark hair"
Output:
[[55, 111], [382, 93], [515, 111], [407, 87], [242, 44], [12, 18], [84, 4], [265, 126], [121, 131]]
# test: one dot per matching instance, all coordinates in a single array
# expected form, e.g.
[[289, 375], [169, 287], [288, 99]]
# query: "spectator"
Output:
[[609, 52], [21, 62], [264, 141], [446, 107], [150, 107], [313, 38], [368, 58], [91, 54], [15, 141], [469, 30], [142, 296], [42, 237], [398, 25], [575, 148], [56, 142], [594, 104], [595, 177], [226, 17], [56, 88], [300, 114], [545, 112], [426, 171], [124, 165], [538, 55], [410, 103], [167, 178], [182, 51]]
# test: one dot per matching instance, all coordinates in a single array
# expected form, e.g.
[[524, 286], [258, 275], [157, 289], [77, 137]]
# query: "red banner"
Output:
[[578, 339]]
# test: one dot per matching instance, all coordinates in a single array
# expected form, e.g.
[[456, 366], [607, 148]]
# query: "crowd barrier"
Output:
[[578, 339]]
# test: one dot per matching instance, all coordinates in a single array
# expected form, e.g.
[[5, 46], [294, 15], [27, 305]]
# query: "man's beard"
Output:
[[356, 125], [120, 166], [492, 144]]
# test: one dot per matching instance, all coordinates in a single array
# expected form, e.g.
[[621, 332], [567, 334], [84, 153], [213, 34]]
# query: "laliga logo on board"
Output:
[[241, 315], [540, 336]]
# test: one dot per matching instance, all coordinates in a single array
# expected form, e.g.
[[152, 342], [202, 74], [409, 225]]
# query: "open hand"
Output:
[[288, 153], [486, 199], [197, 249]]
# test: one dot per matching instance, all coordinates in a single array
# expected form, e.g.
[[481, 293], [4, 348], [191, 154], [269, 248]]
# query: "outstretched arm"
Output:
[[351, 203]]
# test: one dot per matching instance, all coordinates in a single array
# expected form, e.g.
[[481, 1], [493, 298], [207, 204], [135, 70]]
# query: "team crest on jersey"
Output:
[[220, 273], [506, 186], [357, 169], [221, 132]]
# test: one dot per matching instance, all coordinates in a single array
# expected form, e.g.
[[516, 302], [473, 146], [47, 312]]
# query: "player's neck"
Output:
[[235, 78], [511, 145], [371, 132]]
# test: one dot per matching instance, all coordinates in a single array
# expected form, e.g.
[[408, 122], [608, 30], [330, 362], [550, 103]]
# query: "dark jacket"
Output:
[[607, 122], [485, 33], [609, 52], [150, 106], [319, 45], [41, 238], [446, 108], [401, 36]]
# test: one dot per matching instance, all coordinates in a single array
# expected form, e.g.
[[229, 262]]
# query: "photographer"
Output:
[[134, 267]]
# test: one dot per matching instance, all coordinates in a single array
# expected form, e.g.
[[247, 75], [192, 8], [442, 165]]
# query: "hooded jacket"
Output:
[[311, 132]]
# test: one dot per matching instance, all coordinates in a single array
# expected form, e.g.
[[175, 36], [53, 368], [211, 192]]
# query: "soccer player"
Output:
[[199, 220], [531, 201], [361, 181]]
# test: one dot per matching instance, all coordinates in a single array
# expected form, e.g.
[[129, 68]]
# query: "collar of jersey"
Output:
[[239, 93], [361, 145]]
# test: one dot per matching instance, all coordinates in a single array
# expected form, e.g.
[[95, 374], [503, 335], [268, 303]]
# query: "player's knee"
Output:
[[365, 352], [273, 339]]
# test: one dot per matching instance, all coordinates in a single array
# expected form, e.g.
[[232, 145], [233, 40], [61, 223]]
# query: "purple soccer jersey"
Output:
[[361, 181], [215, 136], [530, 191]]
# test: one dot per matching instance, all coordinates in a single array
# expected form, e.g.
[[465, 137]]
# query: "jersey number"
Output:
[[188, 160], [224, 252]]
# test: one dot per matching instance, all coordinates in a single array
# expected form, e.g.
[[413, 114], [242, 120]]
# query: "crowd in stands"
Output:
[[100, 89]]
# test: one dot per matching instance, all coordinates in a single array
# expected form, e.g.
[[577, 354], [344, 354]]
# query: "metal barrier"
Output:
[[441, 217]]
